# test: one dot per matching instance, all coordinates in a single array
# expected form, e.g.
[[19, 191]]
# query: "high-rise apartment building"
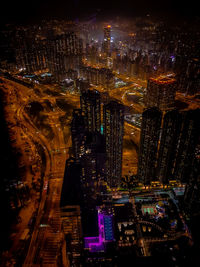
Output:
[[107, 40], [150, 132], [113, 116], [57, 54], [193, 77], [68, 44], [186, 145], [78, 132], [64, 53], [167, 146], [91, 108], [88, 150], [70, 207], [167, 150], [93, 165], [161, 93], [192, 190], [98, 76], [188, 75], [32, 57]]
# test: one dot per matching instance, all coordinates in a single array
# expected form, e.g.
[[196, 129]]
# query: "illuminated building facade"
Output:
[[57, 54], [64, 53], [188, 76], [98, 76], [78, 134], [105, 233], [113, 116], [161, 93], [167, 149], [91, 108], [93, 166], [32, 57], [186, 145], [150, 131], [167, 145], [107, 40]]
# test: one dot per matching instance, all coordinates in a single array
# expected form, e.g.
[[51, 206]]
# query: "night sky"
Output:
[[34, 11]]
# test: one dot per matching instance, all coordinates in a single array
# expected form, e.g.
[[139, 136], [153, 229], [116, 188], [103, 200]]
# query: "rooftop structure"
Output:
[[107, 40], [106, 234], [71, 192], [163, 80], [161, 92]]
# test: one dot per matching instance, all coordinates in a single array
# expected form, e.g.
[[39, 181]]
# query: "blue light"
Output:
[[29, 76], [108, 228], [101, 129], [46, 74]]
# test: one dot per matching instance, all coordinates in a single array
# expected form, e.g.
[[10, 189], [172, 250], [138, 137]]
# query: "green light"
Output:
[[101, 129]]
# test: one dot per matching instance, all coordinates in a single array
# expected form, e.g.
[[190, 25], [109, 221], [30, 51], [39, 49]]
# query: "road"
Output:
[[46, 242]]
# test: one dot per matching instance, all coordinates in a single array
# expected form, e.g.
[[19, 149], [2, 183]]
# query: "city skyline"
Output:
[[100, 137]]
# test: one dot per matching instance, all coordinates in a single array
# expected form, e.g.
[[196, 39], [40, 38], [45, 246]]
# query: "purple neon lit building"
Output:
[[105, 227]]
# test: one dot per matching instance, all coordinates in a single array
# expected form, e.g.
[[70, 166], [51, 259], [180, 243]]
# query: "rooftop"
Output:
[[164, 79], [71, 191]]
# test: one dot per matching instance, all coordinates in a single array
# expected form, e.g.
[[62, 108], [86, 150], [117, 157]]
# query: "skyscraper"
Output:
[[107, 40], [70, 207], [113, 130], [192, 190], [168, 142], [167, 147], [93, 165], [78, 132], [150, 131], [91, 108], [188, 76], [64, 52], [186, 145], [161, 93], [98, 76]]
